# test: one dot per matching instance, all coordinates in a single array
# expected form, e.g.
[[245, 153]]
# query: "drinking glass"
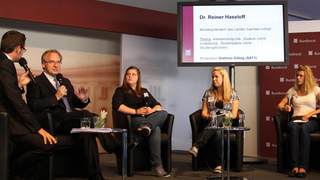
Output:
[[96, 121], [214, 120], [85, 123], [241, 120]]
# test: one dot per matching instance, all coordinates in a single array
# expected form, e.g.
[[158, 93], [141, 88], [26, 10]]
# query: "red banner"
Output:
[[275, 81]]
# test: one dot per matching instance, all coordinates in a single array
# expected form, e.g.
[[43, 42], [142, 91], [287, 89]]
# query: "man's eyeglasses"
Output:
[[24, 49], [53, 62]]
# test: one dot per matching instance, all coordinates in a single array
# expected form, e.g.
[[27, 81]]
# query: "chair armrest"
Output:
[[168, 125], [121, 120], [50, 124], [4, 145], [46, 121], [195, 122], [281, 119], [4, 127], [131, 136]]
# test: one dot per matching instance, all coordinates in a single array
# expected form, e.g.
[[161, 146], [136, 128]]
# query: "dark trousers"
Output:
[[109, 143], [299, 142], [29, 151], [212, 135]]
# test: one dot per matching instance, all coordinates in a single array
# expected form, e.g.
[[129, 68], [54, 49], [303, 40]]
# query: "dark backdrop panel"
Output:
[[275, 81]]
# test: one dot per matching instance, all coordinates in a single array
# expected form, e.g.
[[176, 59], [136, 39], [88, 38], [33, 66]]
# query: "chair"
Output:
[[138, 159], [281, 119], [4, 145], [206, 154], [68, 160]]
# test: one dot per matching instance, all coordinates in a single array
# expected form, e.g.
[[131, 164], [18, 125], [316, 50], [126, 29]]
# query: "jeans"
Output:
[[299, 142], [155, 122]]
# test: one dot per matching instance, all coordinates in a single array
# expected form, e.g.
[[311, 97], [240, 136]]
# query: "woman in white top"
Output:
[[304, 96]]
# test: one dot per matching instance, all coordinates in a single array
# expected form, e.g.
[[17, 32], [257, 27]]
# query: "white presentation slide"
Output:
[[252, 33]]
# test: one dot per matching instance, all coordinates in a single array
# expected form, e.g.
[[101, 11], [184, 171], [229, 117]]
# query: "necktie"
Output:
[[64, 99]]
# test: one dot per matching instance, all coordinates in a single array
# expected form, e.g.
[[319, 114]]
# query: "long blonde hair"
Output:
[[309, 81], [126, 86], [225, 85]]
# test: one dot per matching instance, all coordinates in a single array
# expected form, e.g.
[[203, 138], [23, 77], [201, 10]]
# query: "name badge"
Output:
[[210, 99]]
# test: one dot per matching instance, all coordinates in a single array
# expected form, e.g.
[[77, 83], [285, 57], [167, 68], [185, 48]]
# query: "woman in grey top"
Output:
[[219, 99]]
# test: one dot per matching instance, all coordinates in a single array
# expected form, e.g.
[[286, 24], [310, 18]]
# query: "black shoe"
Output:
[[302, 175], [144, 130], [119, 148], [97, 177], [293, 173]]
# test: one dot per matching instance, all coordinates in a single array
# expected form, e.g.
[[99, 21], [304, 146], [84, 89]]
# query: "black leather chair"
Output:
[[281, 119], [4, 145], [68, 160], [138, 159], [206, 156]]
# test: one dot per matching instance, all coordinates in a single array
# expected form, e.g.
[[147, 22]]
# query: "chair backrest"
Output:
[[4, 145], [119, 119], [168, 125]]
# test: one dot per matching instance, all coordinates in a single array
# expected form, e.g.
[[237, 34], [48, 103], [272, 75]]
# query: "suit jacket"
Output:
[[41, 97], [22, 120]]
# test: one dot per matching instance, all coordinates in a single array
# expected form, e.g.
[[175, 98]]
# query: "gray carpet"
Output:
[[181, 169]]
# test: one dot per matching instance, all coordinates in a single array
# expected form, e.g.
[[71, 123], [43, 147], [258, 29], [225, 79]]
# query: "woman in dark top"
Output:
[[147, 114]]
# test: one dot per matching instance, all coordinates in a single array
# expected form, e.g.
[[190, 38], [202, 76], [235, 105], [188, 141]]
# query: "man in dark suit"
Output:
[[47, 95], [33, 144]]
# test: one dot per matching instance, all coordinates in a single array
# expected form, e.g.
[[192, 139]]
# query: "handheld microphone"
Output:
[[289, 102], [23, 63], [289, 99], [146, 99], [59, 78]]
